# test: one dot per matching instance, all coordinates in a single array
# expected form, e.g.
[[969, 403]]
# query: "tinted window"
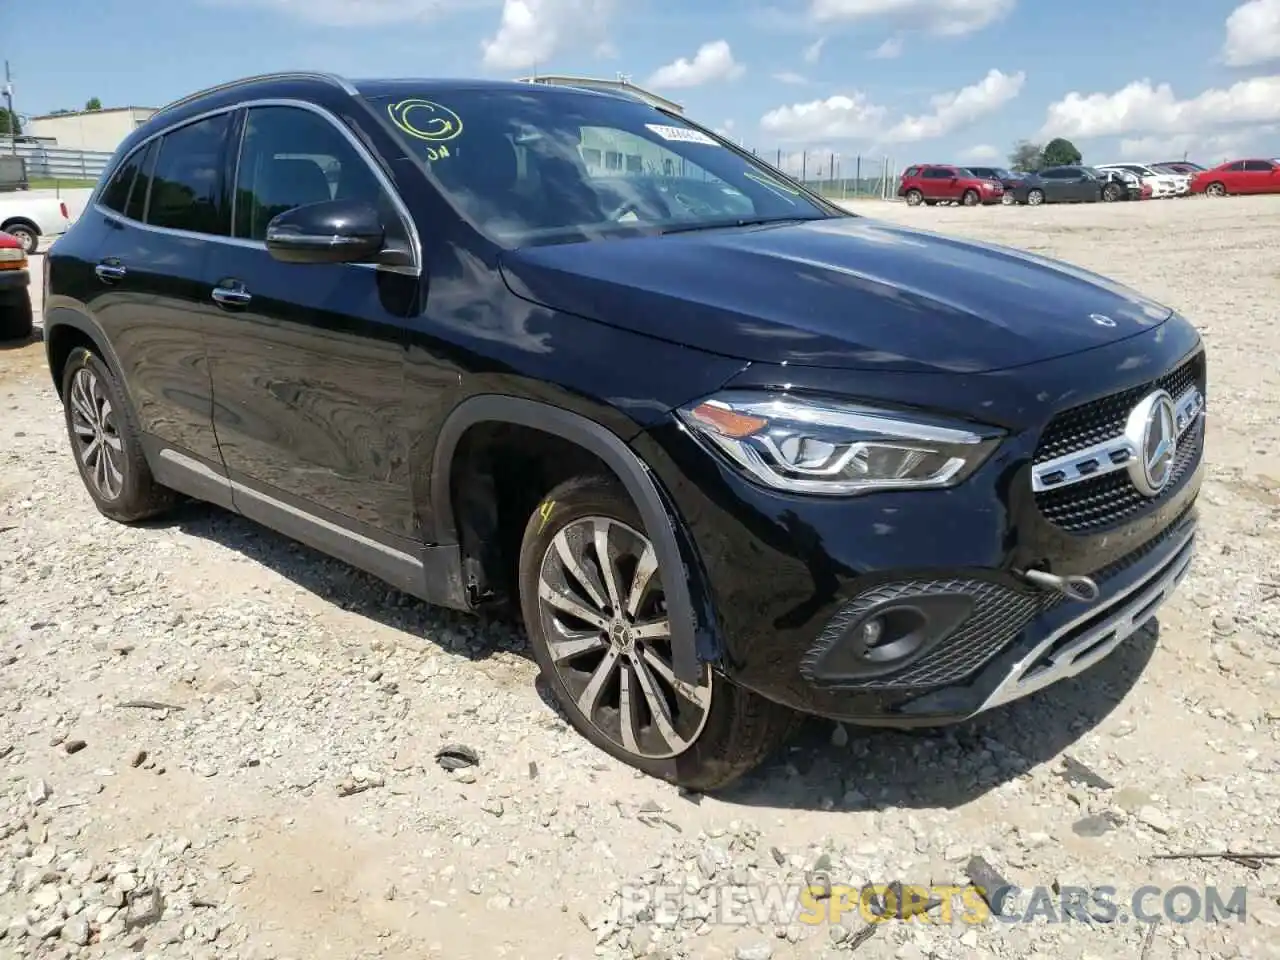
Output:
[[938, 173], [291, 157], [1237, 166], [137, 207], [116, 195], [555, 165], [911, 171], [185, 189], [1053, 174], [1257, 166]]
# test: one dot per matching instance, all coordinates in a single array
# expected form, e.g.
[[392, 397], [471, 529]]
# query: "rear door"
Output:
[[308, 359], [935, 183], [157, 218], [1056, 188]]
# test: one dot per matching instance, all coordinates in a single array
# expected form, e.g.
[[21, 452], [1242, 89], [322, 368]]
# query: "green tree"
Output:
[[93, 103], [1026, 157], [1059, 152], [9, 124]]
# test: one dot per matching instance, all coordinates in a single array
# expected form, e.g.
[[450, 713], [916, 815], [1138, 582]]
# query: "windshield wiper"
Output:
[[742, 222]]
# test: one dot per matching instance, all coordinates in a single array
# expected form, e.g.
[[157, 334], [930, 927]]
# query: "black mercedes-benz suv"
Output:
[[734, 453]]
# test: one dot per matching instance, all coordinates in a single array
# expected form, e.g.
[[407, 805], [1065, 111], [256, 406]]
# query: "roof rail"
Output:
[[332, 78], [620, 87]]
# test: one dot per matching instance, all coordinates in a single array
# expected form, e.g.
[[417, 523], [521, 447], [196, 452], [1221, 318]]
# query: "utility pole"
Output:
[[13, 117]]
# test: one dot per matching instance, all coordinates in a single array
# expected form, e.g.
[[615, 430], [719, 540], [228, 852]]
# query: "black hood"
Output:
[[845, 292]]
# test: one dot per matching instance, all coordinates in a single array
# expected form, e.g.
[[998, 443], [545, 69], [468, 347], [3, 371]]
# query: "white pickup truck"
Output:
[[31, 217]]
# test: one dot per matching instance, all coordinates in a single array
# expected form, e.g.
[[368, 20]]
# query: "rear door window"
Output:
[[186, 188]]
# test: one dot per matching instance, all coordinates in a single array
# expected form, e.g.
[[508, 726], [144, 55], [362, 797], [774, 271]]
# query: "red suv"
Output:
[[933, 183]]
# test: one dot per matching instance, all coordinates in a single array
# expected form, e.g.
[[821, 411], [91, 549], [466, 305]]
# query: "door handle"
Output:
[[109, 271], [231, 294]]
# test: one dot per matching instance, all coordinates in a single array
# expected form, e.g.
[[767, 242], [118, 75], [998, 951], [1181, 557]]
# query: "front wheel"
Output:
[[591, 593], [970, 198], [1008, 200], [1035, 197], [1216, 190]]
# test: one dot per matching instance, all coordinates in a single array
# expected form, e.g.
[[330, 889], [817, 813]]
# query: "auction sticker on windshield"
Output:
[[684, 134]]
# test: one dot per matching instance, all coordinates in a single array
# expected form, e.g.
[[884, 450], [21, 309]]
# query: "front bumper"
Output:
[[14, 283]]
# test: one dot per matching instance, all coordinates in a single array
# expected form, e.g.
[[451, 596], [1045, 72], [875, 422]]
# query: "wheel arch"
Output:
[[64, 330], [24, 222], [688, 605]]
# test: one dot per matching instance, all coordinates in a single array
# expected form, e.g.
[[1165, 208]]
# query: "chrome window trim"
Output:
[[1112, 454], [402, 210]]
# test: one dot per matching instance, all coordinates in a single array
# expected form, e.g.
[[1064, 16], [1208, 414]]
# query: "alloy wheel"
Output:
[[98, 443], [1035, 198], [604, 617], [1216, 190], [1007, 200]]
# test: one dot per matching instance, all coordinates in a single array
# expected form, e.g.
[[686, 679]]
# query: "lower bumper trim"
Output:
[[1079, 644]]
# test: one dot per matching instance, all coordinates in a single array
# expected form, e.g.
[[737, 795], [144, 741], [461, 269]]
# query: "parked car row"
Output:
[[935, 183]]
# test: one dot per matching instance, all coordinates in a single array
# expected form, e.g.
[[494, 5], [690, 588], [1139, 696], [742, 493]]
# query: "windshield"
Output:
[[554, 167]]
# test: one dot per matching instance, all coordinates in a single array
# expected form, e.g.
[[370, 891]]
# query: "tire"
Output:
[[1216, 189], [95, 408], [1008, 200], [914, 197], [970, 198], [1112, 192], [15, 318], [719, 731], [1035, 197], [26, 235]]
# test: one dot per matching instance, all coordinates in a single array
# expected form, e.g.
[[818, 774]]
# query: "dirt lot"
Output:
[[286, 802]]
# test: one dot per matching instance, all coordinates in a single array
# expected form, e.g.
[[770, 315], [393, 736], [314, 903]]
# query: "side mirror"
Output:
[[331, 231]]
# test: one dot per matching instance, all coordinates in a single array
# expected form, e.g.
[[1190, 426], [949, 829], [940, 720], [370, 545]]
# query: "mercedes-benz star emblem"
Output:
[[1152, 430]]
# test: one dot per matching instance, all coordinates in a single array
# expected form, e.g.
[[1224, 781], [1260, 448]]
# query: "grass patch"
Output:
[[50, 183]]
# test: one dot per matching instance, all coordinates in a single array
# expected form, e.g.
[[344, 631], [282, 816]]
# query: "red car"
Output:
[[1239, 176], [15, 295], [933, 183]]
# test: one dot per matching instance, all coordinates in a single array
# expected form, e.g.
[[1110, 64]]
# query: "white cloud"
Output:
[[959, 108], [786, 76], [531, 32], [1208, 150], [344, 13], [814, 50], [888, 50], [944, 17], [838, 118], [855, 117], [982, 153], [1253, 34], [713, 61], [1141, 108]]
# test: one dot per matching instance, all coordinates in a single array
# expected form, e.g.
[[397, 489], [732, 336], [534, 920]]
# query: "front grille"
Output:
[[1101, 503], [999, 615]]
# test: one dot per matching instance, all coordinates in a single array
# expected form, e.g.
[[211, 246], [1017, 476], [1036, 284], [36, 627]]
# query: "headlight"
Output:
[[805, 445]]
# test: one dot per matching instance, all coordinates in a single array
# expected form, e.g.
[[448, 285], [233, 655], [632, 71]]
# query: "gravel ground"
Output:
[[216, 743]]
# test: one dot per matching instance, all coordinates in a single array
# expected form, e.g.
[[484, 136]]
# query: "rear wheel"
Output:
[[592, 597], [1216, 189], [1112, 192], [106, 442], [914, 197], [1035, 197], [25, 234], [970, 198], [1008, 199]]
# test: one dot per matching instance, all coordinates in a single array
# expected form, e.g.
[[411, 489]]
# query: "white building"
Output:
[[95, 130]]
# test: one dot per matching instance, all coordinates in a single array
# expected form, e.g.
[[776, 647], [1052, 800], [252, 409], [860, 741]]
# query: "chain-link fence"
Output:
[[837, 176]]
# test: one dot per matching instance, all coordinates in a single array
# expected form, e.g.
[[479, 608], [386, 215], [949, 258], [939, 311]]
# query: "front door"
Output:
[[308, 359]]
